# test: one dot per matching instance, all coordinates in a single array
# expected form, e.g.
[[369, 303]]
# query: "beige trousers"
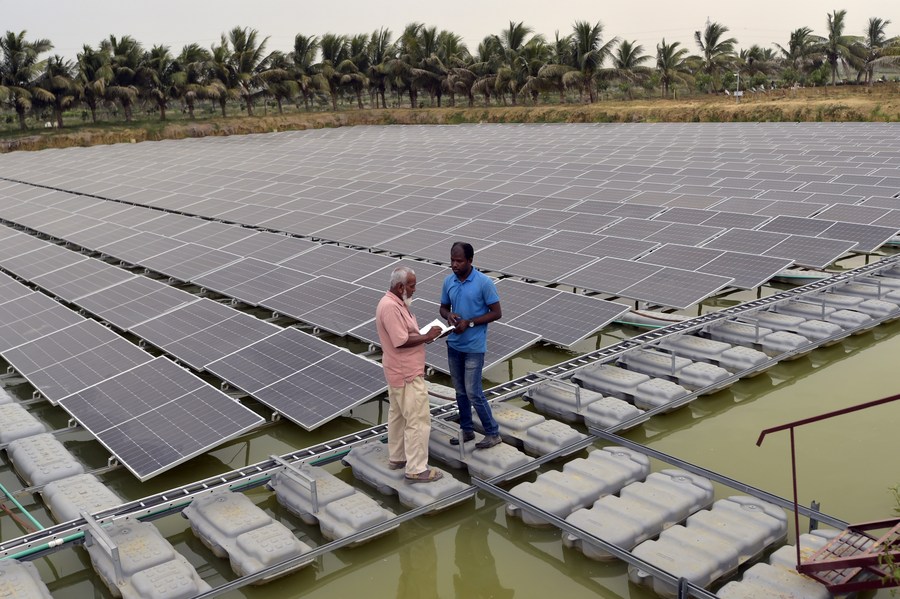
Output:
[[409, 424]]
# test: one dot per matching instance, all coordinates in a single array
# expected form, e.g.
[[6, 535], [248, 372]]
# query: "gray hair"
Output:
[[401, 274]]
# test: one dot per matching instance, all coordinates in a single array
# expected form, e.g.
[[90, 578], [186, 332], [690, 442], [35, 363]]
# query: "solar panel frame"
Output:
[[676, 288], [569, 318], [749, 271]]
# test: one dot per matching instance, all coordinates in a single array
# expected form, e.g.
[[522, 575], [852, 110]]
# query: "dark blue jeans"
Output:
[[465, 370]]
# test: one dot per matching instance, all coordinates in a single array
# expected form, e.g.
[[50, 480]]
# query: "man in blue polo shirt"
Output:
[[469, 301]]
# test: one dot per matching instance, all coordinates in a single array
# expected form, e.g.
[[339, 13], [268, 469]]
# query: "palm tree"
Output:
[[838, 48], [160, 76], [801, 46], [717, 53], [334, 52], [222, 75], [627, 64], [193, 62], [380, 52], [20, 66], [278, 80], [670, 63], [877, 48], [125, 60], [248, 62], [484, 65], [511, 76], [589, 52], [94, 74], [560, 63], [58, 79], [303, 58]]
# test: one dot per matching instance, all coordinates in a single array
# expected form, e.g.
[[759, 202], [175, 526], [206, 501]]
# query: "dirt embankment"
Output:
[[881, 103]]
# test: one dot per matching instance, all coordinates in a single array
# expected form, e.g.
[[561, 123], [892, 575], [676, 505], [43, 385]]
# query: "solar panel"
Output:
[[500, 256], [746, 241], [346, 312], [748, 271], [811, 251], [568, 318], [11, 289], [188, 261], [792, 225], [220, 339], [549, 265], [319, 258], [138, 248], [380, 279], [735, 220], [182, 322], [158, 415], [358, 265], [41, 261], [868, 238], [74, 358], [675, 288], [134, 301], [681, 256], [610, 275], [634, 228], [504, 342], [169, 225], [271, 360], [303, 298], [270, 247], [232, 275], [684, 234], [31, 317], [518, 298], [618, 247], [15, 243], [324, 390]]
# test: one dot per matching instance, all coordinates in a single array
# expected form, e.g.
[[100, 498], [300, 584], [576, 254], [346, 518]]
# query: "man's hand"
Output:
[[433, 333]]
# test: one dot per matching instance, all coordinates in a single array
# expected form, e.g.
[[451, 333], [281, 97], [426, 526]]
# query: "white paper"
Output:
[[436, 323]]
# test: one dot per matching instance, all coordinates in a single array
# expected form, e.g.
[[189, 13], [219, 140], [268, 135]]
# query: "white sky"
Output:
[[71, 23]]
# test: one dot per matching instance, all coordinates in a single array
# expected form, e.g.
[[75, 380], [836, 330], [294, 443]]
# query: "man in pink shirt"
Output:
[[403, 358]]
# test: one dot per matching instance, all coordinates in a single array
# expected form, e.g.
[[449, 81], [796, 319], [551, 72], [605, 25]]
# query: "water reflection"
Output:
[[476, 571], [418, 569]]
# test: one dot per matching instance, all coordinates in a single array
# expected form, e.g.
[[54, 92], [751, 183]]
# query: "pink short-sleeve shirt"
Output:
[[395, 323]]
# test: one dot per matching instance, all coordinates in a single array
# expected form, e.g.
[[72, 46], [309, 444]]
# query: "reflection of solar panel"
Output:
[[158, 415], [304, 378]]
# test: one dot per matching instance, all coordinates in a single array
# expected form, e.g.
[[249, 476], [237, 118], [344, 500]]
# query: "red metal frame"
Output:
[[889, 544]]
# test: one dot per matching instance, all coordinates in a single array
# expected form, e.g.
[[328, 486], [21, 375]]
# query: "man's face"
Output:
[[408, 289], [458, 263]]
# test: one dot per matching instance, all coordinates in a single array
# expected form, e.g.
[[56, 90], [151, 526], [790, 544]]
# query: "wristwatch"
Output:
[[471, 323]]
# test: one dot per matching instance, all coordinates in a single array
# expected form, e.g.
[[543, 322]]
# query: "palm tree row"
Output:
[[511, 67]]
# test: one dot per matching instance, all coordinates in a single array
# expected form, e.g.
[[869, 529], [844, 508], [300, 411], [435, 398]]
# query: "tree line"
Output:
[[515, 66]]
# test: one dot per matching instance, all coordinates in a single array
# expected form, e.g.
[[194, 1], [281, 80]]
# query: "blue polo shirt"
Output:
[[470, 299]]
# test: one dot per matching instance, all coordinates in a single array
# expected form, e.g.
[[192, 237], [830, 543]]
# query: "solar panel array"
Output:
[[198, 332], [663, 214], [151, 414]]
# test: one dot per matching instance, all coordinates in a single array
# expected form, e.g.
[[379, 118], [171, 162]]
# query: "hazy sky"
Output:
[[71, 23]]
